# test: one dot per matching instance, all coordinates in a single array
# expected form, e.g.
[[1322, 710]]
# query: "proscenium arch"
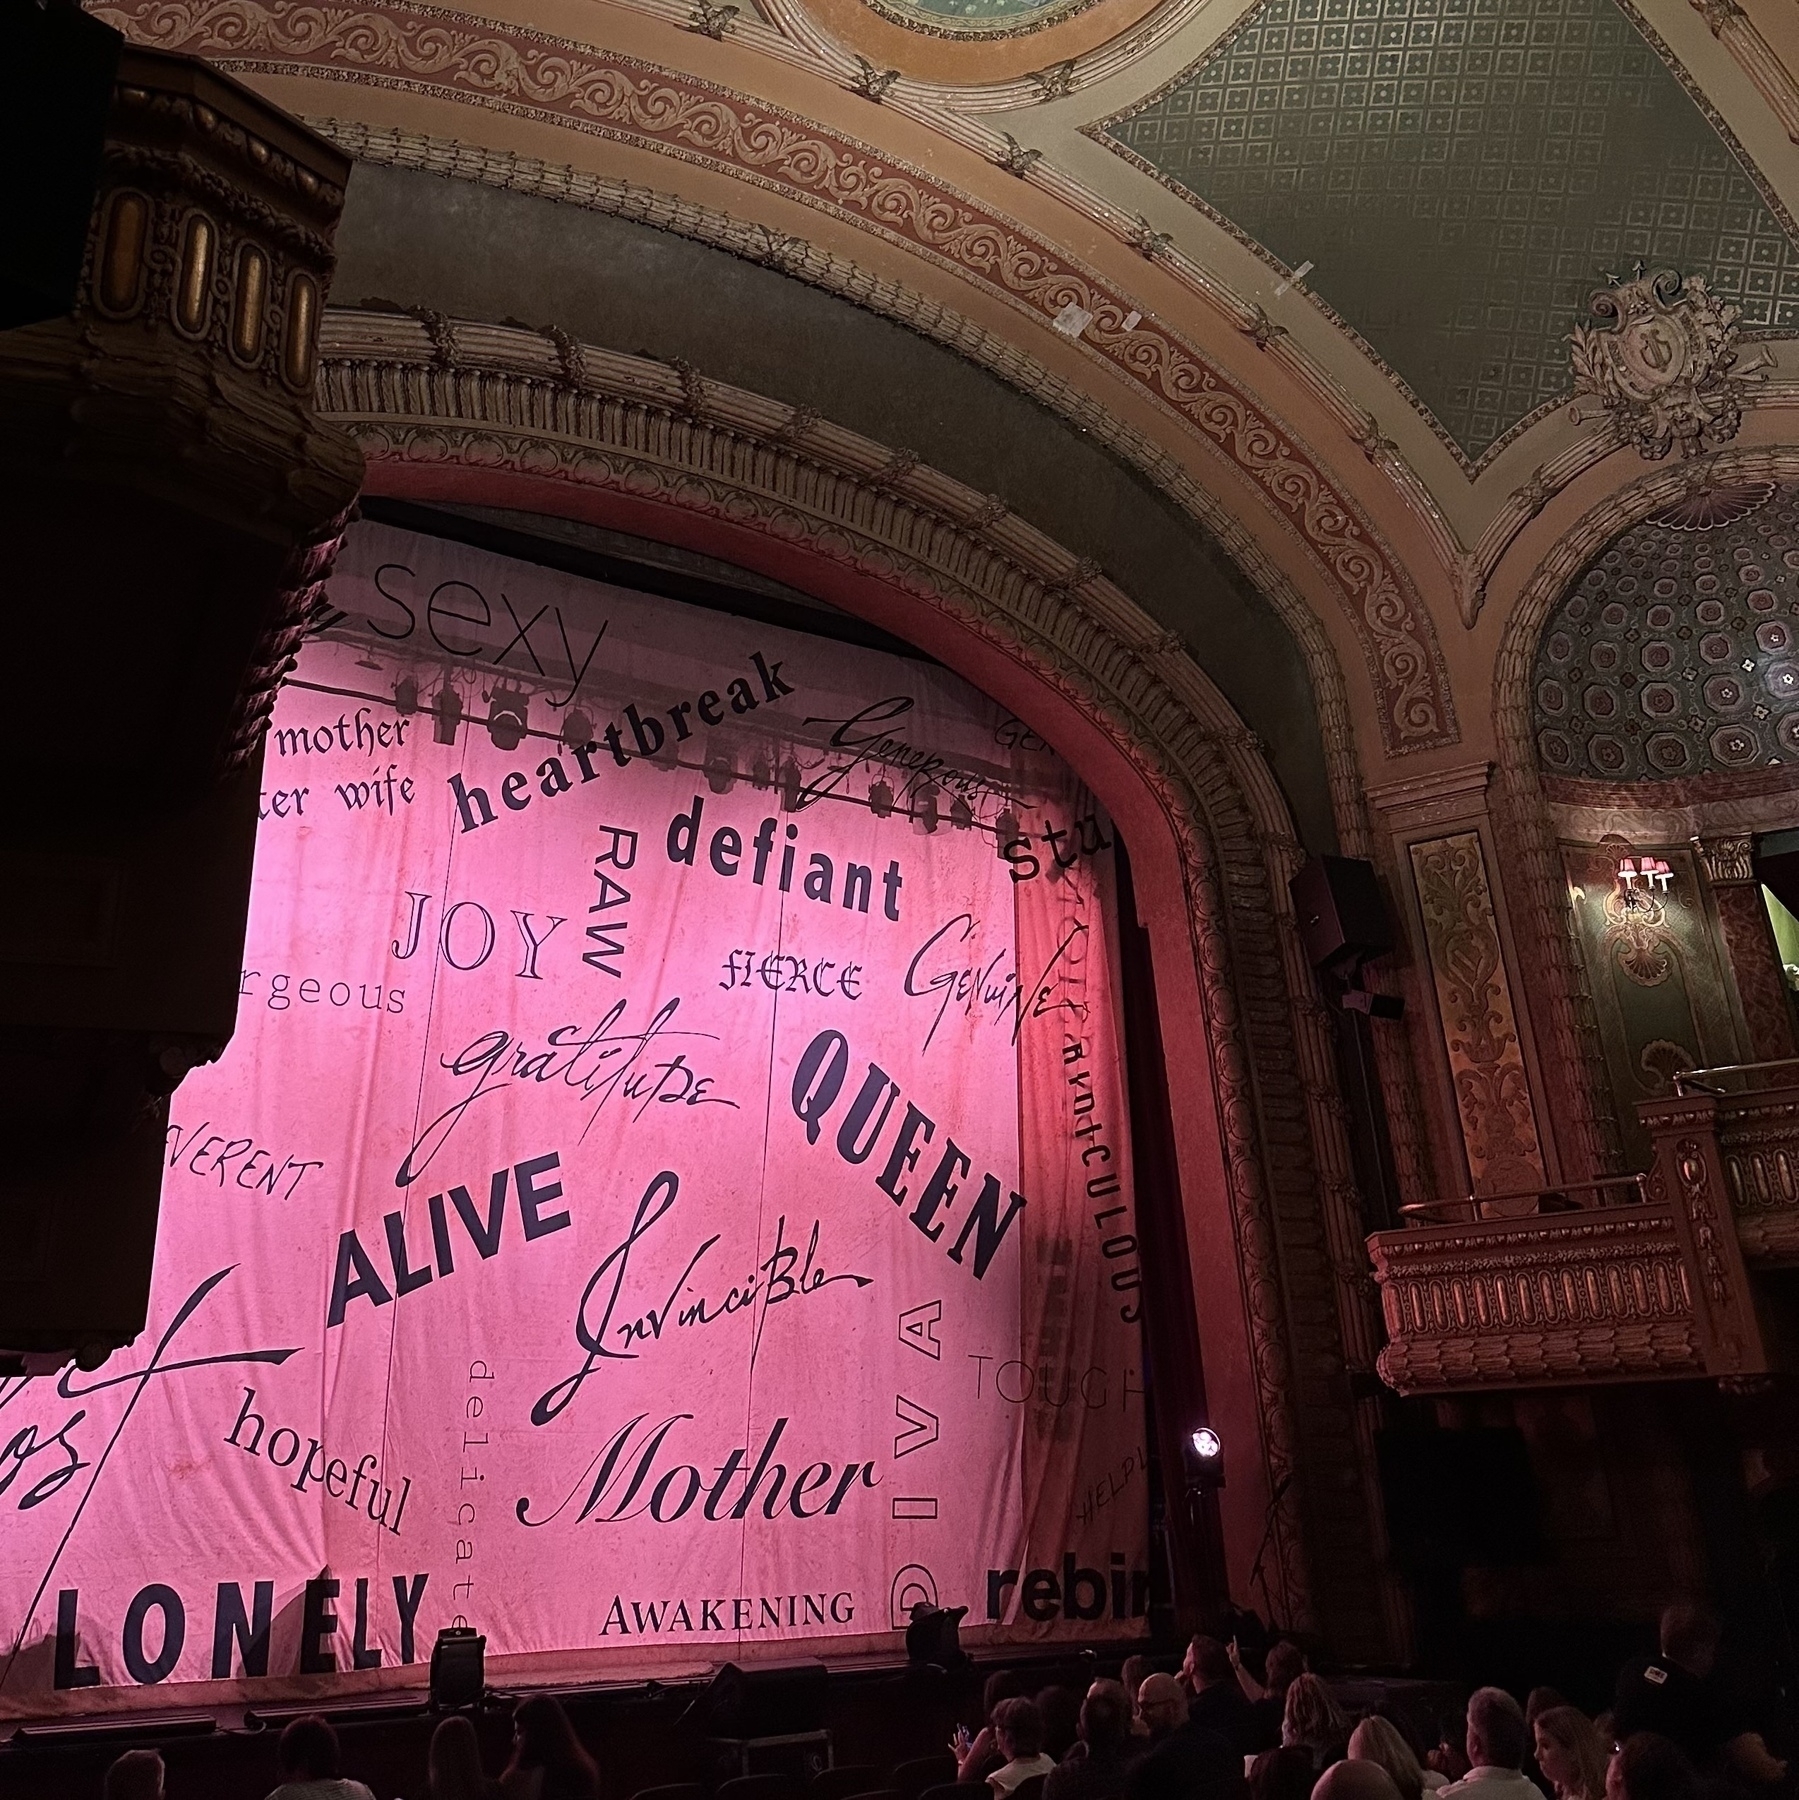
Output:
[[493, 416], [1570, 1050]]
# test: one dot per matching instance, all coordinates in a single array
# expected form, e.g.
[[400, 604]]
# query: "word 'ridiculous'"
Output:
[[818, 1081]]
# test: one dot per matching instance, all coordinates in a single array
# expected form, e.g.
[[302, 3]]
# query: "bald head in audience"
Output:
[[1162, 1703], [1355, 1781]]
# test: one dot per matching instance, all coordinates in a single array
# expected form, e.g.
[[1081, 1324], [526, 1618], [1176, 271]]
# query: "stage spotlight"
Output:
[[762, 775], [960, 814], [924, 810], [577, 728], [508, 716], [721, 772], [458, 1668], [1005, 832], [1202, 1450], [449, 714], [792, 788], [880, 799], [406, 695]]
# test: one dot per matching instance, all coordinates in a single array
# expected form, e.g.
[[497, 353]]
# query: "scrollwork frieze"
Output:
[[586, 88]]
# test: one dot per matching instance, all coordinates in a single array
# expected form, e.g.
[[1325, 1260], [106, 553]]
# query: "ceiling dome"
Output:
[[1675, 654]]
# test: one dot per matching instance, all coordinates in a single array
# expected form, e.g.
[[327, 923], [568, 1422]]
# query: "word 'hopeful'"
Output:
[[818, 1081]]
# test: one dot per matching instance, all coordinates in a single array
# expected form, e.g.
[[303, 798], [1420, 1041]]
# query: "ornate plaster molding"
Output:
[[1667, 373], [1529, 1303], [456, 397], [1752, 53], [411, 46], [836, 275], [1574, 1063], [1471, 467], [1055, 81]]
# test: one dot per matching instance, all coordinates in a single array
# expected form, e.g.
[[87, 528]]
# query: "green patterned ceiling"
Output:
[[1463, 174]]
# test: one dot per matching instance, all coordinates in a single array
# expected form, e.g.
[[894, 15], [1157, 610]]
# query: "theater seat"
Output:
[[911, 1779], [957, 1790], [841, 1784], [674, 1790], [1030, 1790], [758, 1787]]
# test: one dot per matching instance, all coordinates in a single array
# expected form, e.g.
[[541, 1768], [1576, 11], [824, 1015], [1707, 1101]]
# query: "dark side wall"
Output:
[[484, 253]]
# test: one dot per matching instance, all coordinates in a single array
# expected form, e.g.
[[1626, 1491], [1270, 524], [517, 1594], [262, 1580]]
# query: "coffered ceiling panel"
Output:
[[1462, 174]]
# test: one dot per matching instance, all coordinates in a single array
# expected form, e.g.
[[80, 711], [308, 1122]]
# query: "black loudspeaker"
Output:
[[458, 1668], [1458, 1498], [56, 78], [779, 1700], [1342, 918]]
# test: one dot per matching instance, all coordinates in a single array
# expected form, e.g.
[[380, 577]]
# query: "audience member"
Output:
[[978, 1756], [1355, 1781], [1570, 1752], [1161, 1705], [1097, 1766], [137, 1775], [1184, 1761], [1136, 1670], [1539, 1701], [455, 1763], [1217, 1703], [1496, 1745], [1379, 1740], [1018, 1729], [1060, 1710], [1268, 1697], [548, 1762], [1313, 1722], [1281, 1775], [1650, 1767], [306, 1760], [1676, 1696]]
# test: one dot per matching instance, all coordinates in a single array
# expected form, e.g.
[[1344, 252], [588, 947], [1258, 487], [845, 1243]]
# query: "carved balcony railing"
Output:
[[1752, 1112], [1628, 1278], [1576, 1284]]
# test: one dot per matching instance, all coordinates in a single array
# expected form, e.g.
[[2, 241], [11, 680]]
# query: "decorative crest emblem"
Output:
[[1667, 371]]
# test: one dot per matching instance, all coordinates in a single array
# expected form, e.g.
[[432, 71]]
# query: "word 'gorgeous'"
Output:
[[818, 1081]]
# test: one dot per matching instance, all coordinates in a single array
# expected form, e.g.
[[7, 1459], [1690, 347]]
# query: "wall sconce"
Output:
[[1648, 871]]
